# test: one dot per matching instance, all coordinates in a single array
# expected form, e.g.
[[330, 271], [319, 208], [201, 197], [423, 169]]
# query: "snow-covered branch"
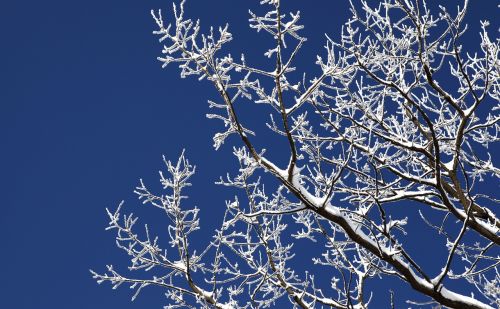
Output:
[[401, 120]]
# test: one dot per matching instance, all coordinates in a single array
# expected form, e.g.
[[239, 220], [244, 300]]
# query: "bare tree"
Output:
[[401, 117]]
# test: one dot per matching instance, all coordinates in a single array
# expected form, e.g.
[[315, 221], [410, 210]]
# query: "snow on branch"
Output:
[[393, 138]]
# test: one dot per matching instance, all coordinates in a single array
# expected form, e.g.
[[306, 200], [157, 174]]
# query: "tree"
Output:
[[400, 118]]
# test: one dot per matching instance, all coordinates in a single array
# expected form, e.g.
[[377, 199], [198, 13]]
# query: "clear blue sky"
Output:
[[85, 111]]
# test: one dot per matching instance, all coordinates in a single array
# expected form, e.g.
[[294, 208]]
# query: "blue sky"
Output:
[[85, 111]]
